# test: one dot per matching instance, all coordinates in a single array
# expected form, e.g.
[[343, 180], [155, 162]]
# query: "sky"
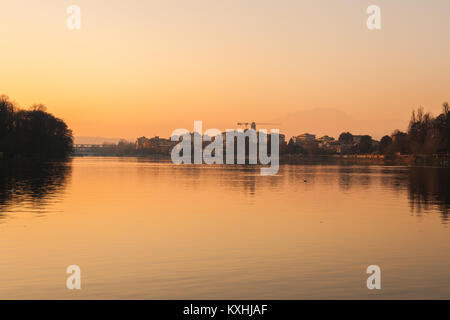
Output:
[[144, 68]]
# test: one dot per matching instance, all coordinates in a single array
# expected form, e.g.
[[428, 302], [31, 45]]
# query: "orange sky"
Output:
[[148, 67]]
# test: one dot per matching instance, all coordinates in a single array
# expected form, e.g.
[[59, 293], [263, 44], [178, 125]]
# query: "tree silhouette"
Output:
[[429, 135], [385, 142], [346, 137], [32, 132], [365, 145]]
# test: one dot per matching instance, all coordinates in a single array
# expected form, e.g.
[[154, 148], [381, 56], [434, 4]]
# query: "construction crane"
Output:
[[254, 124]]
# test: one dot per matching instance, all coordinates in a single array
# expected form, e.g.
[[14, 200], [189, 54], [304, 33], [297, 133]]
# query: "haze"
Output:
[[148, 67]]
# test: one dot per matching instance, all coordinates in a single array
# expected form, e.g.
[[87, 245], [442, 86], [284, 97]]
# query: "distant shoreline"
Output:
[[397, 160]]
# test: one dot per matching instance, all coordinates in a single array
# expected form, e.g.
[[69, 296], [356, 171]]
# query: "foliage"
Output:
[[32, 132]]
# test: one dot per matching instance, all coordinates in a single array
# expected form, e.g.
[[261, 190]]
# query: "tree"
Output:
[[385, 142], [365, 145], [346, 137], [400, 142], [443, 126], [38, 107], [32, 132], [293, 148], [429, 135]]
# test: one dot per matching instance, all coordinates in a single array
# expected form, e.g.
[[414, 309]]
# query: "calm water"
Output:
[[146, 230]]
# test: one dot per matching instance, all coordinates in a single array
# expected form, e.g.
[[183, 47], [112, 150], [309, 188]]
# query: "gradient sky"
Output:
[[148, 67]]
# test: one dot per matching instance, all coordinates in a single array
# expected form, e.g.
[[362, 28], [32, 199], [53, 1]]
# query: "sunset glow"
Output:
[[147, 67]]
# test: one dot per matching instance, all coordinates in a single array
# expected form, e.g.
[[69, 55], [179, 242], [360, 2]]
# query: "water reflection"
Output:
[[223, 231], [28, 186], [429, 187]]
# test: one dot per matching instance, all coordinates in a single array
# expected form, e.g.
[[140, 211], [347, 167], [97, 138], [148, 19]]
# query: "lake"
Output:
[[142, 229]]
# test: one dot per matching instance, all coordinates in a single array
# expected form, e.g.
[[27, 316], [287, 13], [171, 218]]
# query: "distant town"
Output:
[[35, 133], [426, 135], [305, 143]]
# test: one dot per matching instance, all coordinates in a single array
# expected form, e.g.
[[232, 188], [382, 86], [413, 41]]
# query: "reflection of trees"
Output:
[[426, 188], [429, 187], [31, 181], [360, 176]]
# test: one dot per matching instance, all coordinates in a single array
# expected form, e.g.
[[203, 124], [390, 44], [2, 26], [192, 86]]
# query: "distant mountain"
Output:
[[332, 122]]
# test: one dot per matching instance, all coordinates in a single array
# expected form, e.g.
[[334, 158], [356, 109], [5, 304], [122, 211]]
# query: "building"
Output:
[[327, 143], [155, 144], [357, 138], [305, 138], [325, 139], [332, 146], [142, 143]]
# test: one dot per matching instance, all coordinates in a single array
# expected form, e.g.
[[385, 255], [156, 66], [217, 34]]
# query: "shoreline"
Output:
[[396, 160]]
